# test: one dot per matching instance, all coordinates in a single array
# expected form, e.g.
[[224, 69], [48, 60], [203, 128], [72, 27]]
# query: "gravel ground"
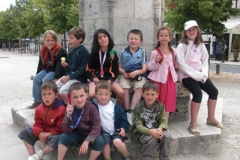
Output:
[[16, 87]]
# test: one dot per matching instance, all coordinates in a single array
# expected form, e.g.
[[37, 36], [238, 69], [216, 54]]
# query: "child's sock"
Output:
[[126, 155], [107, 159]]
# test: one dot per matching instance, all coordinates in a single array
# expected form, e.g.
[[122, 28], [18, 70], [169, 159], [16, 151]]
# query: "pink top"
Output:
[[195, 58], [159, 72]]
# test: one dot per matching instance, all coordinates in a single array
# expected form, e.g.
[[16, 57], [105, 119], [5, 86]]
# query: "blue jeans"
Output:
[[38, 80], [75, 139]]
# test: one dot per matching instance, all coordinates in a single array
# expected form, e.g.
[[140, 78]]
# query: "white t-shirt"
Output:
[[106, 114]]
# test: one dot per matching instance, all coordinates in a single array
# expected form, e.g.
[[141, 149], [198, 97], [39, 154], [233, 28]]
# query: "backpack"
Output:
[[161, 54]]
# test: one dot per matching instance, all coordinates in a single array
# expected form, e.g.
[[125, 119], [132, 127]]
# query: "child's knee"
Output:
[[118, 143], [98, 144], [120, 93], [64, 140]]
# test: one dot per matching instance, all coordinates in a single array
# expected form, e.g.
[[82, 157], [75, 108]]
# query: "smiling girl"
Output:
[[162, 66], [103, 64]]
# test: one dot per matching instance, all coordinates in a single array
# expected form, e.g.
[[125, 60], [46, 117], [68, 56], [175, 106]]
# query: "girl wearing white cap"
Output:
[[192, 60]]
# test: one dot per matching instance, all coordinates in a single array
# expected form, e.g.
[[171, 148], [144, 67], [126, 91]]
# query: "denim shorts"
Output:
[[27, 135], [109, 138], [75, 139]]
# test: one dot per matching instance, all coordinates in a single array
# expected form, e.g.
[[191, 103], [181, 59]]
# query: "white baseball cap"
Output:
[[190, 24]]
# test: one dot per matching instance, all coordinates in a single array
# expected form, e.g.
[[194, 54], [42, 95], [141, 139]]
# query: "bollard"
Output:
[[217, 68]]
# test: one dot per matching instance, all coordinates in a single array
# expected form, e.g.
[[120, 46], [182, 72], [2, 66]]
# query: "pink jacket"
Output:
[[159, 72]]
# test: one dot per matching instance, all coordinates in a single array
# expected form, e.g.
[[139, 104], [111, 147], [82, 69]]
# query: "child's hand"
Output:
[[126, 75], [84, 148], [64, 79], [64, 64], [109, 81], [69, 110], [158, 58], [132, 75], [122, 132], [95, 80], [43, 137], [155, 133]]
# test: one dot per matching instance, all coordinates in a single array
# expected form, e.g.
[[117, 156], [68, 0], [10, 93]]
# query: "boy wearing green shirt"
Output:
[[150, 124]]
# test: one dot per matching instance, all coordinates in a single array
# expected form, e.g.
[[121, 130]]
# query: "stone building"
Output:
[[120, 16]]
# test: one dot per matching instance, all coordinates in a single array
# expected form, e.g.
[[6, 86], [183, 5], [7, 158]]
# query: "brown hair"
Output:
[[158, 34], [49, 85], [150, 85], [52, 33], [136, 31], [197, 40], [78, 33], [102, 84], [78, 86]]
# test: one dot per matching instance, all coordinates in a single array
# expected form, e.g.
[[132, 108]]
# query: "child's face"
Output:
[[134, 40], [48, 96], [49, 41], [103, 96], [79, 98], [103, 40], [150, 96], [164, 37], [73, 41], [191, 33]]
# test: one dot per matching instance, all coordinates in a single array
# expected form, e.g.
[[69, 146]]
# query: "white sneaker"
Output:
[[37, 156], [130, 118]]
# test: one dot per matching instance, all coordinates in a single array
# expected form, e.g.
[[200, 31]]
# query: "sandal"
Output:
[[194, 131], [213, 123]]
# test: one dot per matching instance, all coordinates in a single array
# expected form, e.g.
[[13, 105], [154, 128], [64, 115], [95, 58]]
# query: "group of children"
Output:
[[92, 117]]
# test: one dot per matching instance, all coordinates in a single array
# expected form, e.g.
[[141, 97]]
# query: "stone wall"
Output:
[[120, 16]]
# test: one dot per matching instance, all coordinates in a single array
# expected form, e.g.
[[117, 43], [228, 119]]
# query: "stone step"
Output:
[[183, 142]]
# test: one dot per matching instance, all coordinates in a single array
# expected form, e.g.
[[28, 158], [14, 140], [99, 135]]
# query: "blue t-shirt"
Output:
[[131, 62]]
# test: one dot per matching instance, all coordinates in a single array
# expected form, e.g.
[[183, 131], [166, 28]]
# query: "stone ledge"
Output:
[[183, 142]]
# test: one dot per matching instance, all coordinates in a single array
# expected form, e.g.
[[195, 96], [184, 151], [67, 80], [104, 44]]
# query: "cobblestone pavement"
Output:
[[15, 87]]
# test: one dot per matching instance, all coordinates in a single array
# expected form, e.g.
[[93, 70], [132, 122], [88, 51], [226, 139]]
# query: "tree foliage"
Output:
[[30, 18], [208, 13]]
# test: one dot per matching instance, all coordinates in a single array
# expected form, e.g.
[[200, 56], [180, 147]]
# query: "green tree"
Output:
[[208, 13]]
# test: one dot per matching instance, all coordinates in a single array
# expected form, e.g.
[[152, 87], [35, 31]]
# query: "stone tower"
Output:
[[120, 16]]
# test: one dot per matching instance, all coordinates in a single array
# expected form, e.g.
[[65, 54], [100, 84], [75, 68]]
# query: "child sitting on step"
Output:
[[150, 124], [47, 123], [113, 120]]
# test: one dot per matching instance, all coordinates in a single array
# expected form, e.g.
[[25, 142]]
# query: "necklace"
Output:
[[194, 50]]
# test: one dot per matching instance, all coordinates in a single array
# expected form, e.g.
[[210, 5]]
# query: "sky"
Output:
[[4, 4]]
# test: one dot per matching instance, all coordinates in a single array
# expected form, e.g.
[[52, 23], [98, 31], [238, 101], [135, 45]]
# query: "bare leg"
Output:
[[91, 94], [211, 109], [167, 116], [61, 151], [94, 155], [126, 99], [194, 113], [47, 149], [30, 148], [136, 97], [106, 151], [121, 146], [119, 92]]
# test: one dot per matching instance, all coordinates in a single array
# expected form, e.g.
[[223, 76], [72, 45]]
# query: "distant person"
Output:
[[49, 65], [113, 120], [150, 124], [75, 64], [47, 123], [132, 66], [162, 65], [103, 64], [192, 59], [81, 125]]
